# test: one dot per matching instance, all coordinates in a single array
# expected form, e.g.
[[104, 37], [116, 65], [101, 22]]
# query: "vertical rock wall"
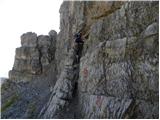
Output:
[[116, 76], [119, 66]]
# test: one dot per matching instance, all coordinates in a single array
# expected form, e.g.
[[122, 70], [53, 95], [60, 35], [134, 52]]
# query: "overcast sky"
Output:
[[20, 16]]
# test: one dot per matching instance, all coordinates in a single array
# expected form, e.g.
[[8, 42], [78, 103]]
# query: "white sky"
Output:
[[20, 16]]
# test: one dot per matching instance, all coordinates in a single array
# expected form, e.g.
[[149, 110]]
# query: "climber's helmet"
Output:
[[77, 35]]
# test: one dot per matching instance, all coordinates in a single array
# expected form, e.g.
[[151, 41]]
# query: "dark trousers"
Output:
[[78, 50]]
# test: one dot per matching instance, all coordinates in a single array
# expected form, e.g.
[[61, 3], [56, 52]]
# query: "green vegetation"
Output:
[[31, 109], [5, 86], [94, 108], [9, 102]]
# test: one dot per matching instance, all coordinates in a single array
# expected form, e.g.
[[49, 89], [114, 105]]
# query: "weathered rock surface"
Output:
[[99, 106], [34, 57], [116, 76], [115, 60]]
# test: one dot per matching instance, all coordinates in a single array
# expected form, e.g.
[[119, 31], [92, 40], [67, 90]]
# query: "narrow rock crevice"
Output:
[[117, 76], [65, 86]]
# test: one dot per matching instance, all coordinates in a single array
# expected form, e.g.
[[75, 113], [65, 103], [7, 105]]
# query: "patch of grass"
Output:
[[9, 102], [5, 86], [31, 110], [94, 108]]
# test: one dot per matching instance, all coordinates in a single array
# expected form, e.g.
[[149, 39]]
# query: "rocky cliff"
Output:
[[115, 75]]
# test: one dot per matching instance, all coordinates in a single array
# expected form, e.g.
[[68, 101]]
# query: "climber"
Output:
[[78, 38], [79, 44]]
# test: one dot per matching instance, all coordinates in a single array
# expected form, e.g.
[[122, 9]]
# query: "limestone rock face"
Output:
[[114, 74], [119, 60]]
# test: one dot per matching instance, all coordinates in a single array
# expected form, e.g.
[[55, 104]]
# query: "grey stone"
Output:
[[53, 33], [62, 91], [116, 75], [29, 39], [34, 56], [151, 30], [43, 41], [97, 106]]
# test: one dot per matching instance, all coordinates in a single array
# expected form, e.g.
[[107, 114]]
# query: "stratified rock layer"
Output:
[[116, 76], [34, 57]]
